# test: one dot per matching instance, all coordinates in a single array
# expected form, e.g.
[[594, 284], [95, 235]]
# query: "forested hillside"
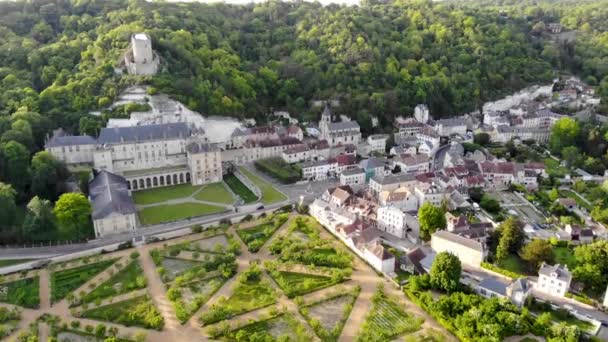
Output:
[[58, 59]]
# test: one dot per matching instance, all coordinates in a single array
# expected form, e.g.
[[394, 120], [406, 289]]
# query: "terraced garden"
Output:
[[387, 320], [127, 279], [215, 192], [65, 281], [22, 292], [328, 316], [284, 327], [297, 284], [255, 237], [139, 311]]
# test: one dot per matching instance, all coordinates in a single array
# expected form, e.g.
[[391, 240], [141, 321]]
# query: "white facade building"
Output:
[[141, 59], [554, 280], [353, 177], [319, 170], [392, 220], [470, 252], [113, 209]]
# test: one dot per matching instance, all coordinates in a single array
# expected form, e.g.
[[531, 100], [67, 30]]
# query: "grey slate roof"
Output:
[[394, 179], [337, 126], [109, 194], [198, 147], [119, 135], [70, 140], [493, 285], [461, 240], [355, 171], [561, 271]]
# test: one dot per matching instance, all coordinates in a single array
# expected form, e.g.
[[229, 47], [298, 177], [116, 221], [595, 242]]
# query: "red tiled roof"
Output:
[[346, 159]]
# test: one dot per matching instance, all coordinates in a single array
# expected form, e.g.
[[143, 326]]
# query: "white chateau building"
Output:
[[147, 156], [140, 59], [113, 208], [338, 133]]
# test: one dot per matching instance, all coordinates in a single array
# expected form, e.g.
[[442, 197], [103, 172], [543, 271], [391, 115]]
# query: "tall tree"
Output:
[[73, 212], [564, 133], [48, 176], [430, 218], [17, 167], [7, 207], [511, 238], [39, 223], [592, 264], [536, 252], [445, 272]]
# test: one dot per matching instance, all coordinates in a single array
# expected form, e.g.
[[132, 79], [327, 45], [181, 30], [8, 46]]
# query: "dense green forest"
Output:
[[58, 59]]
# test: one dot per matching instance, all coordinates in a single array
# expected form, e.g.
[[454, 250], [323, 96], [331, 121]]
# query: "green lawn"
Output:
[[297, 284], [240, 189], [514, 263], [66, 281], [215, 192], [175, 212], [11, 262], [129, 278], [22, 292], [139, 311], [269, 193], [163, 194], [564, 255]]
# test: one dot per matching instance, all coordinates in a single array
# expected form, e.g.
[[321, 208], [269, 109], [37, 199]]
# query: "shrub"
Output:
[[197, 229], [134, 255]]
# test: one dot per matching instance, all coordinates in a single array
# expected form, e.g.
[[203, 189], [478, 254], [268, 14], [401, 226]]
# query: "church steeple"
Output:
[[325, 121]]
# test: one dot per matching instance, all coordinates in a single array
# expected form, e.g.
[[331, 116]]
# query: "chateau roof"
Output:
[[70, 140], [119, 135], [109, 194]]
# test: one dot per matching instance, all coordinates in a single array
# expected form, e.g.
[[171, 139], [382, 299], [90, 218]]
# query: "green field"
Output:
[[240, 189], [515, 264], [387, 320], [297, 284], [22, 292], [158, 195], [139, 311], [174, 212], [215, 192], [66, 281], [128, 279], [269, 193]]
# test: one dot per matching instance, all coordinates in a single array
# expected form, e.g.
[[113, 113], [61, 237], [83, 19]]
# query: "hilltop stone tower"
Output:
[[141, 59]]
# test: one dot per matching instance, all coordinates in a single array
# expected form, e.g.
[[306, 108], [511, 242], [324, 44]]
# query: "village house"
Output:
[[392, 220], [470, 252], [413, 164], [319, 170], [377, 184], [353, 177], [401, 198], [553, 280]]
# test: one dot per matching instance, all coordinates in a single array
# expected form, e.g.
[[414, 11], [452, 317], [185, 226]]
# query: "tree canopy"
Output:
[[431, 218]]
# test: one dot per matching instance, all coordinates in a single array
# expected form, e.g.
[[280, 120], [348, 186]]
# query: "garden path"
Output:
[[43, 332], [157, 292], [45, 289]]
